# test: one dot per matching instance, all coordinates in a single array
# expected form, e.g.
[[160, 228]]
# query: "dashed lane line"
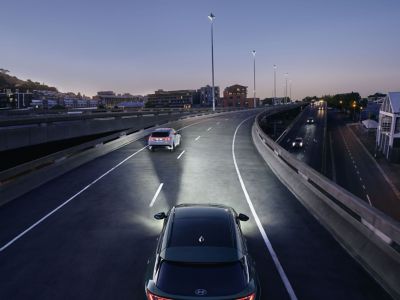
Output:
[[179, 156], [369, 200], [156, 195], [80, 192], [196, 139]]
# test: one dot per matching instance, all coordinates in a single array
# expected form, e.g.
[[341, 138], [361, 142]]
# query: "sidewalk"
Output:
[[391, 170]]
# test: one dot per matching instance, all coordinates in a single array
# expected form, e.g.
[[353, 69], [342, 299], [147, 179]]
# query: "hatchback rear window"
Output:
[[160, 134], [202, 232], [217, 279]]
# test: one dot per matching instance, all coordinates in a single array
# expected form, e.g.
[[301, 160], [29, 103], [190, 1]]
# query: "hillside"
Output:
[[12, 82]]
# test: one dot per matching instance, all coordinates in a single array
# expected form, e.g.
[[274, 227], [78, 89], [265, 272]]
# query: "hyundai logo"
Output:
[[200, 292]]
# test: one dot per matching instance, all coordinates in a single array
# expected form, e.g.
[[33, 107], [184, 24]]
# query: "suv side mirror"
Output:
[[242, 217], [160, 216]]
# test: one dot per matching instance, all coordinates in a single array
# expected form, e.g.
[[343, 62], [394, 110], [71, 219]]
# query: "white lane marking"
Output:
[[364, 187], [209, 129], [369, 200], [267, 242], [78, 193], [66, 202], [156, 195], [180, 154], [360, 179], [196, 139]]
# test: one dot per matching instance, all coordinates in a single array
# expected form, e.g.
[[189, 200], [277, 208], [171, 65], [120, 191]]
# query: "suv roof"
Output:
[[201, 233], [163, 129]]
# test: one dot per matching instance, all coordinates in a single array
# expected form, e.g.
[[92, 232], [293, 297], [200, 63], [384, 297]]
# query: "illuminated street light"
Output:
[[274, 84], [286, 91], [212, 17], [254, 77]]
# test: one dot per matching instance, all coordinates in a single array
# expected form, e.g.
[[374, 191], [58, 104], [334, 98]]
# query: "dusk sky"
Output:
[[85, 46]]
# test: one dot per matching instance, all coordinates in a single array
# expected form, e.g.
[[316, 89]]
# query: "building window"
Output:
[[386, 123]]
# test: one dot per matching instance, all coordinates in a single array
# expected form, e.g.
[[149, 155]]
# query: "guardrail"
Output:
[[64, 116], [370, 236]]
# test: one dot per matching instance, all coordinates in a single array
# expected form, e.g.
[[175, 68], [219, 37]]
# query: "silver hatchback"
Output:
[[164, 138]]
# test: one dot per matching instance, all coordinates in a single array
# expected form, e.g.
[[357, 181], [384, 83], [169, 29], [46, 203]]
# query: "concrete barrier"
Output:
[[370, 236]]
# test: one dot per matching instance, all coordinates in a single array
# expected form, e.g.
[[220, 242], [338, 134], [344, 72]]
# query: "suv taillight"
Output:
[[249, 297], [151, 296]]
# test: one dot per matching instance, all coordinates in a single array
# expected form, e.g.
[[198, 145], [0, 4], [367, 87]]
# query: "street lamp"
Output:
[[254, 78], [360, 113], [286, 94], [354, 110], [274, 84], [290, 87], [212, 17]]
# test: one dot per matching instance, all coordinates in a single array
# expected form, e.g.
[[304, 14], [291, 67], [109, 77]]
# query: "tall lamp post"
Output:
[[254, 78], [274, 84], [290, 87], [286, 94], [212, 17]]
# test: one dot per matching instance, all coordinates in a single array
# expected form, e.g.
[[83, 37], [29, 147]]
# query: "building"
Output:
[[205, 96], [110, 100], [388, 134], [235, 96], [15, 100], [171, 99]]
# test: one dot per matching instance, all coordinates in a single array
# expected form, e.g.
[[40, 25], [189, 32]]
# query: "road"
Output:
[[356, 170], [89, 233], [312, 152]]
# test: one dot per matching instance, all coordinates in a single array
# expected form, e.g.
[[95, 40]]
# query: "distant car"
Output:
[[164, 138], [201, 254], [297, 143], [310, 121]]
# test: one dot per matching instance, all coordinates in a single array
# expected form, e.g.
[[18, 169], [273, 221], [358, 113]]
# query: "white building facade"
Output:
[[388, 133]]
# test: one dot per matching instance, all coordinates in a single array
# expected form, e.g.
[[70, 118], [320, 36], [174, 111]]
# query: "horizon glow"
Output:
[[142, 46]]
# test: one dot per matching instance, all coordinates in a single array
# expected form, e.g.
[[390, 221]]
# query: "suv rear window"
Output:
[[160, 134], [217, 279], [213, 232]]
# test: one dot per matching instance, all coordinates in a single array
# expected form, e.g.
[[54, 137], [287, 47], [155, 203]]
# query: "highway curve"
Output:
[[89, 233]]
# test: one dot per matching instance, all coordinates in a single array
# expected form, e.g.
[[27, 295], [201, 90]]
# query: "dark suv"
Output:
[[201, 254]]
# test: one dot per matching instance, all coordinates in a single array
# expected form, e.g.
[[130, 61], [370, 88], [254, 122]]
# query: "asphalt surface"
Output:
[[97, 245], [312, 152], [356, 171]]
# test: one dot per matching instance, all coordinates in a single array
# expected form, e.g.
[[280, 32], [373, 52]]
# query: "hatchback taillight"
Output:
[[249, 297], [151, 296]]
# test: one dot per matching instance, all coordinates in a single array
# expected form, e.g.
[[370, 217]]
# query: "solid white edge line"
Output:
[[80, 192], [67, 201], [156, 195], [267, 242], [180, 154]]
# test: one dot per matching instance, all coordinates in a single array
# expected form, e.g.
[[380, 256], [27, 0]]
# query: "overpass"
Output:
[[88, 232]]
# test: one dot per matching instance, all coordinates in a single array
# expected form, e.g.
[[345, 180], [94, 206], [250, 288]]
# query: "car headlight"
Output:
[[301, 144], [293, 144]]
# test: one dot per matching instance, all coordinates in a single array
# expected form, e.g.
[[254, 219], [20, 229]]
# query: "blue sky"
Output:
[[327, 47]]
